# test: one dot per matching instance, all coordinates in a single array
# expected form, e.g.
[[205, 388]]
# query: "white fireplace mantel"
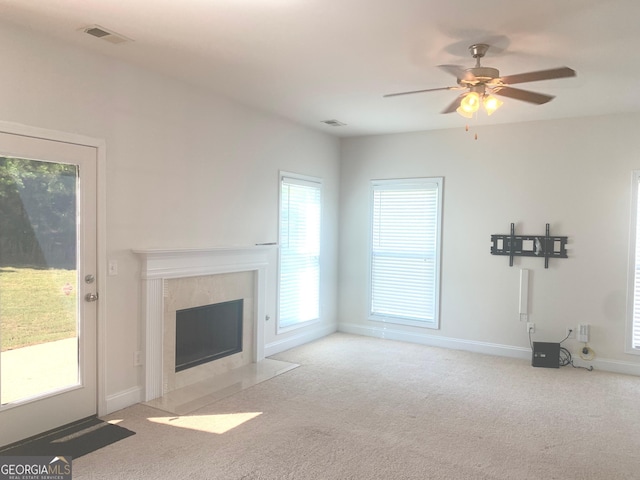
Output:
[[161, 264]]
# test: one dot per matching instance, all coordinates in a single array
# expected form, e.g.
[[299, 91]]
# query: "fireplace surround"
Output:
[[209, 275]]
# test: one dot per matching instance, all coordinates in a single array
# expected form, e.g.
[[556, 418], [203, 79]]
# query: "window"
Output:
[[405, 251], [633, 307], [299, 265]]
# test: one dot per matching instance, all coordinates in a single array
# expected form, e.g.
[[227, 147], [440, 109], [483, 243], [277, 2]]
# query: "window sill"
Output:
[[405, 321]]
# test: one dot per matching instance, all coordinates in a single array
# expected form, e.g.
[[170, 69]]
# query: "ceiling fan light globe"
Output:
[[470, 103], [491, 104]]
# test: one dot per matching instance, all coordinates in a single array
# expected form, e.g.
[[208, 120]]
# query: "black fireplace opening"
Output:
[[207, 333]]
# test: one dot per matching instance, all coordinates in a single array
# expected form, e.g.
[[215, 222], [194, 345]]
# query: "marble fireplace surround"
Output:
[[159, 265]]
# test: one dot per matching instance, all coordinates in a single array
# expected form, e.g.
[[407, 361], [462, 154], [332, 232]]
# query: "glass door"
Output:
[[48, 288]]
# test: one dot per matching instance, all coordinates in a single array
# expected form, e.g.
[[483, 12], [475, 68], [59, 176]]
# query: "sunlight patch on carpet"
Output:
[[220, 423]]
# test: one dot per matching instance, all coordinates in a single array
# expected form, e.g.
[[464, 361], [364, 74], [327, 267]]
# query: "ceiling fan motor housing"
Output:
[[479, 75]]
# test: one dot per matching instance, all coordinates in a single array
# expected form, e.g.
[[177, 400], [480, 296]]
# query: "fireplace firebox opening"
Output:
[[208, 333]]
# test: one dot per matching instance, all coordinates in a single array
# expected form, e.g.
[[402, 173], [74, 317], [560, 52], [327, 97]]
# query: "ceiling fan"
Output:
[[483, 83]]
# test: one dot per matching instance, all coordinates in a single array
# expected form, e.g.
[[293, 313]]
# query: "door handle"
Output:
[[91, 297]]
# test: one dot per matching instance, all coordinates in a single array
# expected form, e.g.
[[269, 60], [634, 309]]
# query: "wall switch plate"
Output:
[[113, 267]]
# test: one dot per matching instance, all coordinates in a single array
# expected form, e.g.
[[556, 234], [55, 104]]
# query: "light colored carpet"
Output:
[[364, 408]]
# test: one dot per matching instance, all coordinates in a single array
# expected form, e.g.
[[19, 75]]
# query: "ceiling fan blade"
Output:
[[453, 106], [524, 95], [418, 91], [459, 72], [562, 72]]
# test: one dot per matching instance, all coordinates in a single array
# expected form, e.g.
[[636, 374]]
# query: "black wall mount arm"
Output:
[[543, 246]]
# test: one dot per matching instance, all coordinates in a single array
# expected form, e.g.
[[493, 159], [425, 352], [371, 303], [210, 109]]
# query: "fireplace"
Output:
[[179, 279], [208, 333]]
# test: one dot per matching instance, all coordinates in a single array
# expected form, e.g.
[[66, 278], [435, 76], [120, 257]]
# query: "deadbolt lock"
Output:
[[91, 297]]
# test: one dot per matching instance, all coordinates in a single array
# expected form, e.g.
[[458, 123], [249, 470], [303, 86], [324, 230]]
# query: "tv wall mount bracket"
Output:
[[544, 246]]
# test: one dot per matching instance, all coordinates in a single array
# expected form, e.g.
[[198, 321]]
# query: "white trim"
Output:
[[301, 178], [436, 340], [631, 265], [102, 276], [48, 134], [162, 264], [123, 399], [301, 338], [614, 366], [297, 326], [603, 364], [101, 247]]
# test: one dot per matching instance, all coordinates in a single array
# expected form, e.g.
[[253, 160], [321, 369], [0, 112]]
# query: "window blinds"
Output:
[[635, 327], [299, 282], [405, 250]]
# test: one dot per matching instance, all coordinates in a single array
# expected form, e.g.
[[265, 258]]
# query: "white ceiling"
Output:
[[313, 60]]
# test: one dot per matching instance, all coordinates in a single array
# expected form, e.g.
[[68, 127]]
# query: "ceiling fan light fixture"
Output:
[[491, 104], [469, 104]]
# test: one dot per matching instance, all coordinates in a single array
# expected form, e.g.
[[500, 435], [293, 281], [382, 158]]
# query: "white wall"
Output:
[[184, 168], [573, 174]]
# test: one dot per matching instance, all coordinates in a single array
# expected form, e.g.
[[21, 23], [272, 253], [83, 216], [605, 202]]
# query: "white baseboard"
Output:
[[124, 399], [607, 365], [436, 341], [291, 341], [615, 366]]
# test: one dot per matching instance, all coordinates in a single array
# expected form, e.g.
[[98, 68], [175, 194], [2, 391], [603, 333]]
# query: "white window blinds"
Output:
[[405, 251], [634, 296], [299, 272]]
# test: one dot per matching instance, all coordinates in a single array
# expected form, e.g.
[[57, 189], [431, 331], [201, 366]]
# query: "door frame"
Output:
[[101, 254]]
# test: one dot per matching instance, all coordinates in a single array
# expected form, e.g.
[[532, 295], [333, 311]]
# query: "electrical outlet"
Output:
[[531, 327], [137, 358], [571, 332]]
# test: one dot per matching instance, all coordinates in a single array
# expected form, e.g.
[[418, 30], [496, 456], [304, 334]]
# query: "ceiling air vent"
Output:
[[104, 34], [334, 123]]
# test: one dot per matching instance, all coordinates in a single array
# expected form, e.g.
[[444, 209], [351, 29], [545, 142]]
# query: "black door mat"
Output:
[[73, 440]]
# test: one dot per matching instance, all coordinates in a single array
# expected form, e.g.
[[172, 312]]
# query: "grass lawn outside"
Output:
[[36, 306]]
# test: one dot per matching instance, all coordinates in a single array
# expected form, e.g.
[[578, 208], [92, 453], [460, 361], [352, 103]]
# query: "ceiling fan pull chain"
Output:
[[466, 129]]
